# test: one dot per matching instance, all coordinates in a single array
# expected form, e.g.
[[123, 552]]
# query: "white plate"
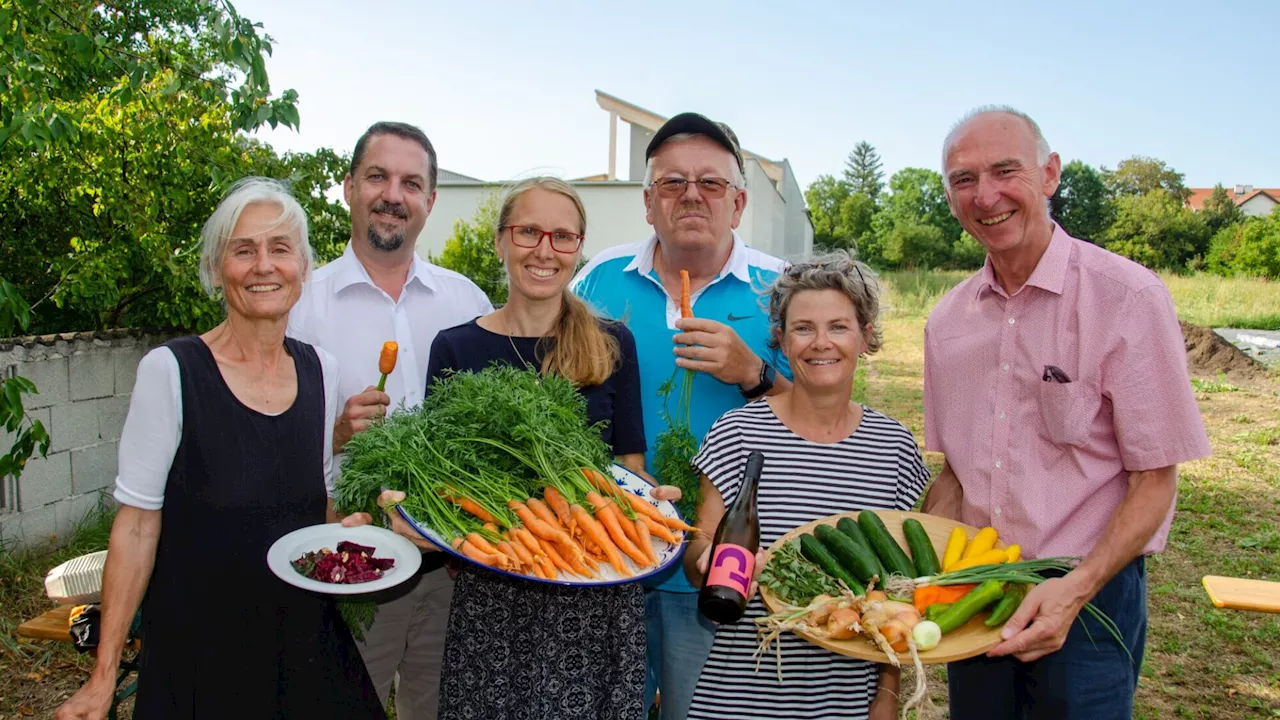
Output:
[[667, 554], [310, 539]]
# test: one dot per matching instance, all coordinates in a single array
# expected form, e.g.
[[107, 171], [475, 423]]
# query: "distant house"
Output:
[[775, 221], [1253, 201]]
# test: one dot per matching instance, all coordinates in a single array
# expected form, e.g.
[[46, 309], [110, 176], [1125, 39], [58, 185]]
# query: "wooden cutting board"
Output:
[[1242, 594]]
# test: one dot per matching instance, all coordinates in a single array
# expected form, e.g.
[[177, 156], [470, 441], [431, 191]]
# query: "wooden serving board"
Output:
[[1243, 594], [967, 641]]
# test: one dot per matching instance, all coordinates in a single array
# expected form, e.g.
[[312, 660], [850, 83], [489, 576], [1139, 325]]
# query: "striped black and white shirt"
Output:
[[879, 466]]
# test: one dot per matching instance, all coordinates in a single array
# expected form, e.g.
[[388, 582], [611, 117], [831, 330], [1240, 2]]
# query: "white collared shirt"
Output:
[[342, 311]]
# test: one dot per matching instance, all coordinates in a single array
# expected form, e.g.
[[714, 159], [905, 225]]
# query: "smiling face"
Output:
[[263, 265], [693, 221], [822, 340], [388, 194], [539, 273], [996, 187]]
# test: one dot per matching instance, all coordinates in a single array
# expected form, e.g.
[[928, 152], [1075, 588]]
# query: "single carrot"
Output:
[[387, 362], [543, 512], [491, 528], [608, 516], [599, 503], [522, 552], [471, 552], [686, 309], [555, 558], [467, 504], [645, 544], [548, 567], [482, 544], [537, 526], [510, 552], [658, 530], [527, 539], [558, 505], [600, 537], [537, 570]]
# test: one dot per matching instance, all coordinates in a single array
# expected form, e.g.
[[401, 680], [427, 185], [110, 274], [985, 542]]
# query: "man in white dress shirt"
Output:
[[380, 290]]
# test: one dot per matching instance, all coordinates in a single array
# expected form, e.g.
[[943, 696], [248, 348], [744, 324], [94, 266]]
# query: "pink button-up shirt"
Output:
[[1046, 463]]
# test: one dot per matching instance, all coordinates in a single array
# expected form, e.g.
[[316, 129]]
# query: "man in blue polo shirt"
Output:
[[694, 196]]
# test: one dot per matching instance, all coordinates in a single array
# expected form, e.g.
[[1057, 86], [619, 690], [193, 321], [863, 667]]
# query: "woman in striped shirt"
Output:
[[823, 455]]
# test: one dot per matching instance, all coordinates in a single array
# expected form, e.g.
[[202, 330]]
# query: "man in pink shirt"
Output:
[[1056, 386]]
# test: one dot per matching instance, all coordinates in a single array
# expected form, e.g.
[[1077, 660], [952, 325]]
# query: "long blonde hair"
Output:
[[584, 353]]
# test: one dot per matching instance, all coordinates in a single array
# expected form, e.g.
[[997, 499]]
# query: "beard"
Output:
[[386, 243]]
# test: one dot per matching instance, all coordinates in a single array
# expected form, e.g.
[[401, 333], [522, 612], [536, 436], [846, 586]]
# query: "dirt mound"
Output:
[[1209, 354]]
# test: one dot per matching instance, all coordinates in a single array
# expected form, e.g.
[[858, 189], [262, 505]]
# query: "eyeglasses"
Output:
[[531, 237], [709, 187]]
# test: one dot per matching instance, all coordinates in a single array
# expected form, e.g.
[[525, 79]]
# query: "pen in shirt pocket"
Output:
[[1053, 373]]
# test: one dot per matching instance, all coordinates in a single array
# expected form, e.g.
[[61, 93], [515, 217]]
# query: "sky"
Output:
[[507, 89]]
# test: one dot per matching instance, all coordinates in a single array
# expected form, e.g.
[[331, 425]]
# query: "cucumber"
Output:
[[890, 553], [855, 558], [921, 546], [816, 553], [847, 526]]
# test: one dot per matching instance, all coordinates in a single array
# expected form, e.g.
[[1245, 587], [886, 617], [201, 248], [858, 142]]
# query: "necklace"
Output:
[[507, 331]]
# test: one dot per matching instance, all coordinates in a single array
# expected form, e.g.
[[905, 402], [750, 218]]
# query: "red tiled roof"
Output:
[[1201, 195]]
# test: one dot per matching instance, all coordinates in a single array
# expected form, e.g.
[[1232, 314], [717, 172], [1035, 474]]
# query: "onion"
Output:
[[927, 635]]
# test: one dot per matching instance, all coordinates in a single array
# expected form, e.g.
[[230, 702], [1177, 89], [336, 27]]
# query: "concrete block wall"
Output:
[[84, 382]]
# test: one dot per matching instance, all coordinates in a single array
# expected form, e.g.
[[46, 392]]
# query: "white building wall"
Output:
[[1258, 206], [615, 213]]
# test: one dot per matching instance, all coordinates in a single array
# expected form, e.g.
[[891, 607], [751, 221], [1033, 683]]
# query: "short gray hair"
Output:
[[1042, 145], [834, 271], [738, 179], [222, 223]]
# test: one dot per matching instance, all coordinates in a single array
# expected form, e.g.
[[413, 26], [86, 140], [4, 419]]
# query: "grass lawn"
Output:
[[1200, 663]]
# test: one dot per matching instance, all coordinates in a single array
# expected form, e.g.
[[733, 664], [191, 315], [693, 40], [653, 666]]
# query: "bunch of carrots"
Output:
[[551, 535], [503, 465]]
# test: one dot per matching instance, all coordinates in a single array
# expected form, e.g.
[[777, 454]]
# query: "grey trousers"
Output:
[[405, 645]]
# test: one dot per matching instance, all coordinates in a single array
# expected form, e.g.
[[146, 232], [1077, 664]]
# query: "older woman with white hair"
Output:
[[227, 447]]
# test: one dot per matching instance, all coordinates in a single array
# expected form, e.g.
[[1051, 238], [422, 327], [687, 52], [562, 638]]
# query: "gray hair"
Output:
[[217, 230], [1042, 145], [739, 181], [834, 271]]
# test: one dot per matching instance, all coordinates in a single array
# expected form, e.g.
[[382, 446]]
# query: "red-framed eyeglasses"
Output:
[[526, 236]]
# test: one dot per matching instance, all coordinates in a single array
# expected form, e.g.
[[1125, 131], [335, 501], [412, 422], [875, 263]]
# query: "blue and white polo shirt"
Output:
[[621, 284]]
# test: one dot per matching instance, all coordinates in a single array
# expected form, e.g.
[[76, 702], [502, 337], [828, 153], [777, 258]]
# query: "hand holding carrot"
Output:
[[358, 413], [716, 349]]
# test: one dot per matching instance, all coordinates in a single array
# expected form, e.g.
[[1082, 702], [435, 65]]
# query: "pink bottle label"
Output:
[[732, 566]]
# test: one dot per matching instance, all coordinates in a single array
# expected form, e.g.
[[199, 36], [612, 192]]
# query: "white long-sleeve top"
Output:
[[153, 428]]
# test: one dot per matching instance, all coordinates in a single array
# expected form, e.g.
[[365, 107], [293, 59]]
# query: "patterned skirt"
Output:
[[520, 650]]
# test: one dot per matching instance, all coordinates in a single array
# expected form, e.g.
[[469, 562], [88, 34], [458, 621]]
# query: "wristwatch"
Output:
[[767, 377]]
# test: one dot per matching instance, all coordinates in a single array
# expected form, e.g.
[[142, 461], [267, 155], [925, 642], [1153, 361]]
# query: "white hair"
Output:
[[217, 230], [1042, 145], [738, 180]]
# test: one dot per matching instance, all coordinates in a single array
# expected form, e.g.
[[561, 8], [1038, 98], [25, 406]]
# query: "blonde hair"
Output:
[[835, 271], [583, 353]]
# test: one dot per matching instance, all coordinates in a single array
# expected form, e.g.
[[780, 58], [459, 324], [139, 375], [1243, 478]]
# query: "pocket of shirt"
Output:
[[1066, 410]]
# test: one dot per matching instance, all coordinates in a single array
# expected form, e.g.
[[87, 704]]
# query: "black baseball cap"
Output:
[[691, 123]]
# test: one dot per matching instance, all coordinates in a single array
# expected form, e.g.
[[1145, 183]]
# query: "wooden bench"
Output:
[[55, 625]]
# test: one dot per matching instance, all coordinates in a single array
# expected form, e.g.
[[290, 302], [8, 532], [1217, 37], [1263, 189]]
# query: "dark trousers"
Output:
[[1086, 679]]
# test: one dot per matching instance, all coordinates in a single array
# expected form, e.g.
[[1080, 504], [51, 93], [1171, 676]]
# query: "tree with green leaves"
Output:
[[1140, 175], [1250, 248], [862, 171], [140, 130], [470, 250], [916, 200], [1220, 210], [1082, 204], [29, 434], [840, 217], [1157, 230]]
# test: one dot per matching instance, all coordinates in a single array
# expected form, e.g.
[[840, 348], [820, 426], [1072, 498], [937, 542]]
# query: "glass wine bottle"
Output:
[[723, 597]]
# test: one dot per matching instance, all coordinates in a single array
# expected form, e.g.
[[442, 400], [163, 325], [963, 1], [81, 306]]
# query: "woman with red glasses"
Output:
[[517, 648]]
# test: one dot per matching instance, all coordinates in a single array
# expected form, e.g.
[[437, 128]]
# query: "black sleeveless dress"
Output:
[[223, 637]]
